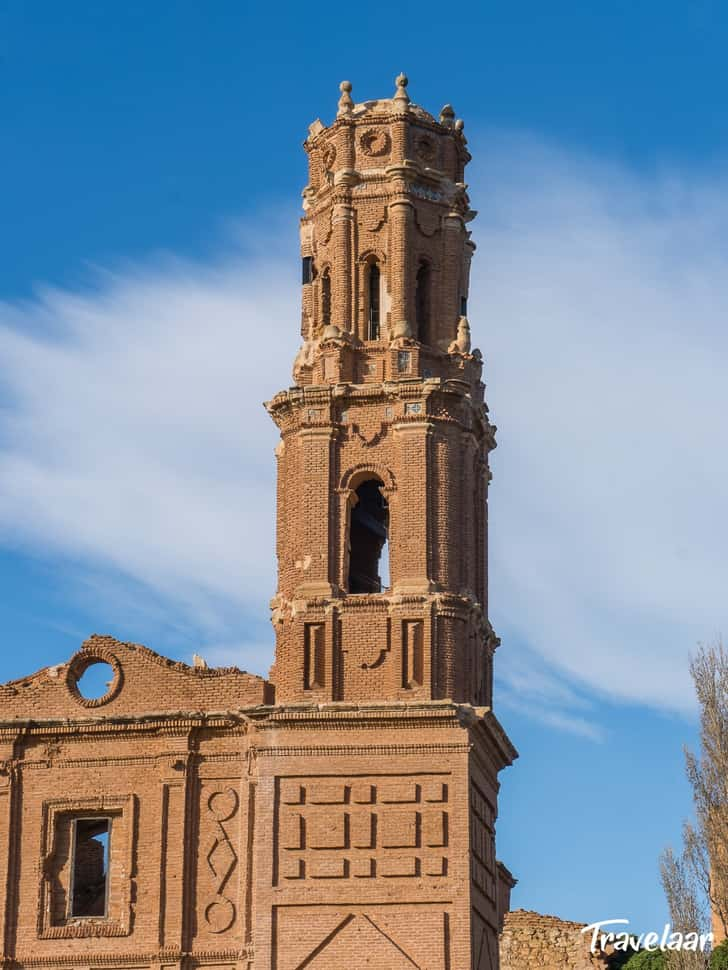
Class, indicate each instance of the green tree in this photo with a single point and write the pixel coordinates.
(618, 959)
(719, 957)
(647, 960)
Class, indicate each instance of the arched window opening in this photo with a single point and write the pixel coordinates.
(368, 540)
(422, 303)
(373, 328)
(326, 298)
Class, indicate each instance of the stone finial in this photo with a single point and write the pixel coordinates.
(447, 116)
(401, 93)
(461, 344)
(345, 102)
(198, 662)
(459, 130)
(332, 332)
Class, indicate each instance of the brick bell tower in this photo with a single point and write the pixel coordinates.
(383, 460)
(385, 831)
(343, 815)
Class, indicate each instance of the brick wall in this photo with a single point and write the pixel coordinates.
(530, 941)
(255, 837)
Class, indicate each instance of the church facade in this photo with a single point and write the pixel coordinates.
(341, 813)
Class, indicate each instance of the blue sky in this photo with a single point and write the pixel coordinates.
(152, 168)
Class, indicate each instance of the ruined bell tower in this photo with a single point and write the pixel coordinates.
(383, 460)
(342, 813)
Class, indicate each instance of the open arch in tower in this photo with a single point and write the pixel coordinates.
(368, 538)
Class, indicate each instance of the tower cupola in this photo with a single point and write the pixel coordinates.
(384, 240)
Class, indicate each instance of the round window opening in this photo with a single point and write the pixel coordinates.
(96, 681)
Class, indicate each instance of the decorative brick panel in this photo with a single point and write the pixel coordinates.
(363, 827)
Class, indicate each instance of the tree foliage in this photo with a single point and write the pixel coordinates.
(647, 960)
(618, 959)
(719, 957)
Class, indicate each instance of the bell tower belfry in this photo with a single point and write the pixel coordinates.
(383, 460)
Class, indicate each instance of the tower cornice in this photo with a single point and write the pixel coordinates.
(292, 410)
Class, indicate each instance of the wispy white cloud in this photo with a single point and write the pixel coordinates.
(601, 302)
(133, 441)
(537, 709)
(134, 447)
(527, 686)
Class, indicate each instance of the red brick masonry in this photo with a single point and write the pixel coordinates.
(247, 835)
(342, 815)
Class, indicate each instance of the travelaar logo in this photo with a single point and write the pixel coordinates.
(624, 941)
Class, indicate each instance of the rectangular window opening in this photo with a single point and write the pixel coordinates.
(90, 867)
(306, 269)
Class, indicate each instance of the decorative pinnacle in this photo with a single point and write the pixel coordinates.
(447, 116)
(459, 125)
(345, 102)
(462, 342)
(401, 93)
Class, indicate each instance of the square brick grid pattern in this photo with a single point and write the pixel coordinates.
(374, 826)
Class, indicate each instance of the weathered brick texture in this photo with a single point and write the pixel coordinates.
(531, 941)
(341, 814)
(403, 406)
